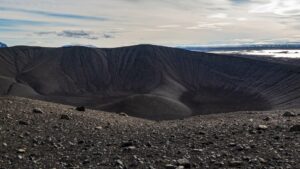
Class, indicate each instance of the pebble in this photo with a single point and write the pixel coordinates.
(148, 144)
(127, 144)
(65, 117)
(21, 150)
(262, 160)
(267, 119)
(130, 148)
(295, 128)
(8, 116)
(21, 122)
(86, 161)
(37, 111)
(119, 162)
(170, 166)
(262, 127)
(198, 150)
(201, 133)
(99, 127)
(239, 147)
(123, 114)
(80, 108)
(232, 144)
(288, 114)
(235, 163)
(184, 162)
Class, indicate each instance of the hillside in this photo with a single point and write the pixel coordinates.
(147, 81)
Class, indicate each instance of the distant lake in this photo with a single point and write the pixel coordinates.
(274, 53)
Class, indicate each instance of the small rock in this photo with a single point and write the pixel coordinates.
(170, 166)
(184, 162)
(276, 137)
(123, 114)
(288, 114)
(295, 128)
(262, 127)
(37, 111)
(80, 108)
(86, 161)
(220, 163)
(99, 128)
(251, 131)
(80, 142)
(235, 163)
(21, 122)
(201, 133)
(130, 148)
(239, 147)
(119, 163)
(151, 167)
(266, 119)
(21, 150)
(4, 144)
(127, 144)
(246, 158)
(197, 150)
(20, 157)
(26, 133)
(262, 160)
(232, 144)
(65, 117)
(8, 116)
(148, 144)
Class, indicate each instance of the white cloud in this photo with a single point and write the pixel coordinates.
(77, 34)
(81, 34)
(297, 37)
(169, 26)
(241, 19)
(279, 7)
(245, 40)
(218, 16)
(153, 30)
(207, 25)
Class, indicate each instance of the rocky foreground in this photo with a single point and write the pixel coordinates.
(35, 134)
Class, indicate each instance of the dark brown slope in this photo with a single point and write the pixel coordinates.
(149, 81)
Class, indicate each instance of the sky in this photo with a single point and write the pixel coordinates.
(112, 23)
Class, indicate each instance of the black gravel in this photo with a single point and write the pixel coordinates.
(62, 137)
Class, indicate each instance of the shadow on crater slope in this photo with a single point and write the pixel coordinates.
(147, 81)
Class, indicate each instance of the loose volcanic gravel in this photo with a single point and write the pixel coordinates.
(36, 134)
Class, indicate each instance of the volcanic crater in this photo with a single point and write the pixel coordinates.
(147, 81)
